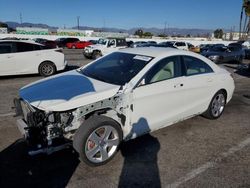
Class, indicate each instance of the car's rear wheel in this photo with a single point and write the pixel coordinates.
(97, 140)
(47, 68)
(216, 106)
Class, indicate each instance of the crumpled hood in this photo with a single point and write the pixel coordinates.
(66, 91)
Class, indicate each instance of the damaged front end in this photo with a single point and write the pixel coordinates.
(47, 132)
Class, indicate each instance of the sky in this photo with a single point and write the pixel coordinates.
(201, 14)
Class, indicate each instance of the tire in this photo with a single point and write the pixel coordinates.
(96, 55)
(216, 106)
(47, 68)
(94, 147)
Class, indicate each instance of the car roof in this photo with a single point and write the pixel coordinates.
(151, 51)
(25, 41)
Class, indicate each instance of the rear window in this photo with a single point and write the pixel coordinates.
(24, 47)
(195, 66)
(121, 42)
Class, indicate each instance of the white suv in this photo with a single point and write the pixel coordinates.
(27, 57)
(104, 47)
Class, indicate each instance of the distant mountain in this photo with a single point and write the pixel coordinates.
(14, 25)
(155, 31)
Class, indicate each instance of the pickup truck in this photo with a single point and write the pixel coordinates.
(104, 46)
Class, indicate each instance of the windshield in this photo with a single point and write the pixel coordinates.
(102, 41)
(117, 68)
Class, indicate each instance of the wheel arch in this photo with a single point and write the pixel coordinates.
(110, 113)
(46, 61)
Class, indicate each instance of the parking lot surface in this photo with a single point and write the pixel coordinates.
(193, 153)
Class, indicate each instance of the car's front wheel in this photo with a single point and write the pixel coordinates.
(216, 106)
(47, 68)
(97, 140)
(96, 55)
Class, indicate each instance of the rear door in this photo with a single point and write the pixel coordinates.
(198, 85)
(27, 57)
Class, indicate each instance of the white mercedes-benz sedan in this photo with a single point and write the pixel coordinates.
(119, 97)
(26, 57)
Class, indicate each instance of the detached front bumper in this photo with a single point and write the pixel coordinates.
(22, 127)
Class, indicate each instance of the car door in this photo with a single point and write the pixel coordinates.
(158, 99)
(7, 58)
(27, 58)
(198, 86)
(111, 47)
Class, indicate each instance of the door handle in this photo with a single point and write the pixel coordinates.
(178, 85)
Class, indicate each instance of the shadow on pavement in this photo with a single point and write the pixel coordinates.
(17, 169)
(140, 168)
(242, 72)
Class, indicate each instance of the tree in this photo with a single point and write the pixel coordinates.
(218, 33)
(139, 32)
(162, 35)
(3, 25)
(147, 34)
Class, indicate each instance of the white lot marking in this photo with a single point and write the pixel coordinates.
(208, 165)
(8, 114)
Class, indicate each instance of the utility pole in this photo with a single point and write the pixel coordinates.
(165, 27)
(104, 24)
(78, 19)
(21, 18)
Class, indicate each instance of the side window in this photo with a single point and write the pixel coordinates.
(121, 42)
(180, 44)
(165, 69)
(111, 42)
(37, 47)
(195, 66)
(5, 48)
(24, 47)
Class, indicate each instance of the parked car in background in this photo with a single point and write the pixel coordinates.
(93, 41)
(130, 43)
(179, 45)
(61, 42)
(45, 42)
(138, 44)
(195, 49)
(119, 97)
(222, 54)
(207, 47)
(104, 47)
(24, 57)
(166, 45)
(161, 45)
(78, 44)
(151, 42)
